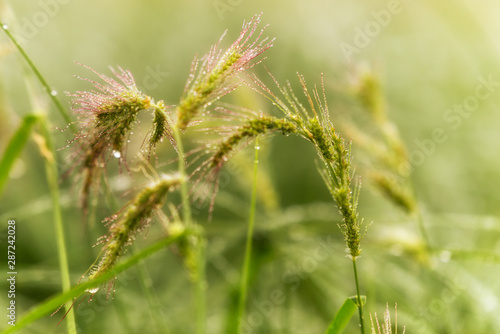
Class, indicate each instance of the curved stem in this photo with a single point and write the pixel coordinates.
(360, 302)
(248, 248)
(52, 94)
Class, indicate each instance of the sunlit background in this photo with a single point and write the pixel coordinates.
(431, 57)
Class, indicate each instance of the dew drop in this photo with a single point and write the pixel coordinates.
(92, 291)
(257, 147)
(53, 92)
(5, 27)
(117, 154)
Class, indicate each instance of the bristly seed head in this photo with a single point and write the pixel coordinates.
(313, 123)
(108, 115)
(249, 130)
(132, 219)
(211, 79)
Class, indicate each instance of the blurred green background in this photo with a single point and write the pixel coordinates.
(430, 56)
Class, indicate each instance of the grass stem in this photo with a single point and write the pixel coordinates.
(360, 302)
(248, 248)
(200, 284)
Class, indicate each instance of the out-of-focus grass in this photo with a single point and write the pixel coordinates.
(430, 57)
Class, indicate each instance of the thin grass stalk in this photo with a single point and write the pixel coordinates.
(248, 247)
(200, 284)
(52, 179)
(358, 294)
(52, 93)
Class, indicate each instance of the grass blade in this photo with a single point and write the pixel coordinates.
(51, 93)
(55, 302)
(343, 316)
(48, 152)
(15, 147)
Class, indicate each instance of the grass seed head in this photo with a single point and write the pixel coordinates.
(210, 78)
(312, 121)
(132, 219)
(107, 115)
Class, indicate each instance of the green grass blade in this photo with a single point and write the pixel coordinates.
(248, 247)
(47, 88)
(55, 302)
(48, 153)
(344, 315)
(15, 147)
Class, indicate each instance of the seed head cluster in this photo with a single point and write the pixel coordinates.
(211, 77)
(132, 219)
(108, 115)
(312, 122)
(110, 112)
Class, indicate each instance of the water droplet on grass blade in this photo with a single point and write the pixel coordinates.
(5, 27)
(93, 290)
(53, 92)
